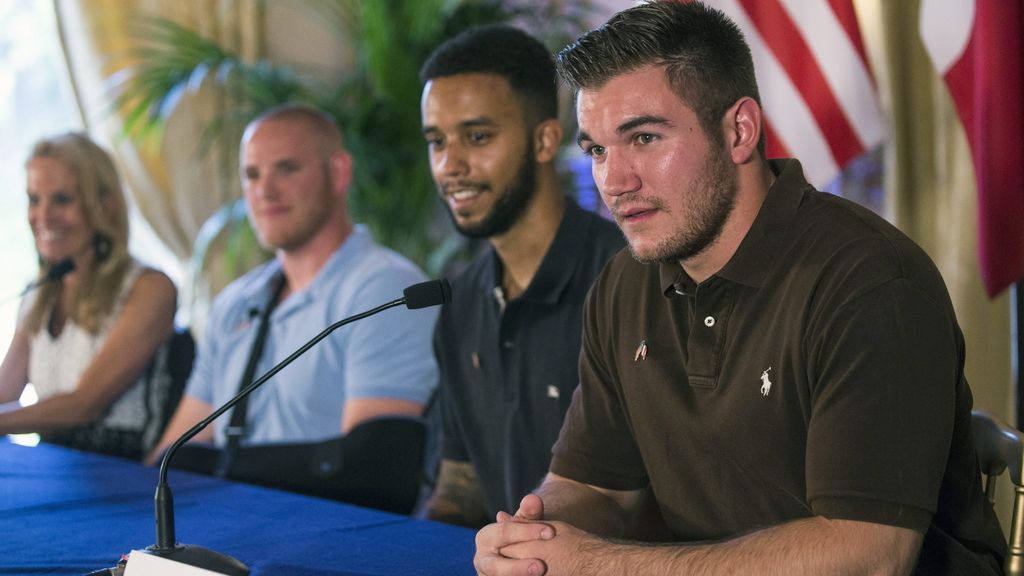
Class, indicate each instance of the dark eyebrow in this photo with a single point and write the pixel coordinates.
(627, 126)
(468, 123)
(482, 121)
(641, 121)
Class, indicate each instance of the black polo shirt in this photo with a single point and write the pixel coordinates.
(507, 377)
(820, 372)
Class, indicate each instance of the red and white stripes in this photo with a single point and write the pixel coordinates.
(819, 98)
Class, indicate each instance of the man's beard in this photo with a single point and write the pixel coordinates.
(509, 207)
(714, 196)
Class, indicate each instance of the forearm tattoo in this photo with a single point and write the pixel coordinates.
(458, 498)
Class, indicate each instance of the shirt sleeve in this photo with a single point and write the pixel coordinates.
(453, 446)
(596, 445)
(390, 355)
(887, 374)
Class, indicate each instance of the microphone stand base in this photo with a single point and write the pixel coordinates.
(200, 558)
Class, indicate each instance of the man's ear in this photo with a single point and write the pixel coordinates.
(743, 125)
(341, 171)
(547, 138)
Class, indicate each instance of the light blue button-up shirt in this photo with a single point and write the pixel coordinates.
(388, 355)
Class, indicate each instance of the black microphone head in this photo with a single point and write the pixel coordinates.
(60, 269)
(426, 294)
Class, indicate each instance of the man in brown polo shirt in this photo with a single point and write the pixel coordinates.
(781, 368)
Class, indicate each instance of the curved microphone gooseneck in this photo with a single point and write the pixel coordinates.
(422, 295)
(59, 270)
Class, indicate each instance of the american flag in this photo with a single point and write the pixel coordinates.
(820, 100)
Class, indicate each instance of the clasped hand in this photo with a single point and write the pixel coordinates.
(528, 545)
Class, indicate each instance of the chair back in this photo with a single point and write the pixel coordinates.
(161, 387)
(1000, 449)
(165, 379)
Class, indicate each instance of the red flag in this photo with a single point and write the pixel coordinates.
(820, 101)
(976, 47)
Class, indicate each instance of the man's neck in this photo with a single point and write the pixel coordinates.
(301, 265)
(523, 247)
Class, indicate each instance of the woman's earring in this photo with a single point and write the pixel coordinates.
(102, 246)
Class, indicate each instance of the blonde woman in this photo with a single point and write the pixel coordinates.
(85, 339)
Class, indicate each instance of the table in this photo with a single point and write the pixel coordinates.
(69, 512)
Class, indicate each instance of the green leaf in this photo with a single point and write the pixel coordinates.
(376, 103)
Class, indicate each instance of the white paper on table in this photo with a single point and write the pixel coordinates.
(142, 564)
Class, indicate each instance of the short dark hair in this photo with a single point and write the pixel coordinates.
(706, 58)
(521, 59)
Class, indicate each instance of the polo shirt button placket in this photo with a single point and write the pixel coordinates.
(704, 345)
(511, 393)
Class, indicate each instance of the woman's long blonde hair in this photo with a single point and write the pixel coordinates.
(103, 203)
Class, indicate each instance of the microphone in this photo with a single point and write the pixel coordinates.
(59, 270)
(56, 272)
(422, 295)
(427, 294)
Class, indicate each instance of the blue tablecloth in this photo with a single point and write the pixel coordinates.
(68, 512)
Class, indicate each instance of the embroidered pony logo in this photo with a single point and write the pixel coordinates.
(766, 383)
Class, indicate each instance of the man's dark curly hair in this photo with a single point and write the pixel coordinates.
(508, 52)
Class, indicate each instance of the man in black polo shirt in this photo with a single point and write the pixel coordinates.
(780, 367)
(508, 347)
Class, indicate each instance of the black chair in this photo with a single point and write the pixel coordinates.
(1001, 448)
(163, 382)
(166, 376)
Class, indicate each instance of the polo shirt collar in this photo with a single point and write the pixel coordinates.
(674, 280)
(554, 272)
(765, 241)
(255, 293)
(358, 244)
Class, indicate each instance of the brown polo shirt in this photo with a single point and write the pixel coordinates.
(820, 372)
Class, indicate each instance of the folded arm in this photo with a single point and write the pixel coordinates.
(146, 320)
(389, 366)
(506, 546)
(14, 369)
(558, 545)
(458, 497)
(359, 410)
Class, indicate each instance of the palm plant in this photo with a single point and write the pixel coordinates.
(376, 103)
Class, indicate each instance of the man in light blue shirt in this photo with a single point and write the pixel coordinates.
(295, 174)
